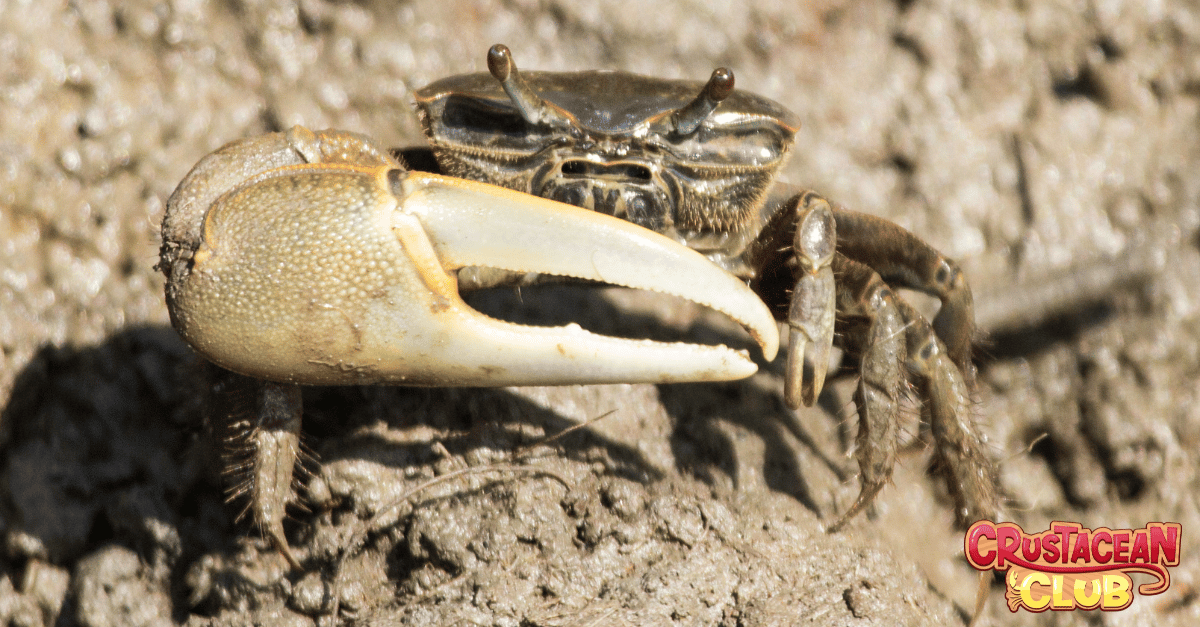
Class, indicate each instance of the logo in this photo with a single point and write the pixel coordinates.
(1068, 567)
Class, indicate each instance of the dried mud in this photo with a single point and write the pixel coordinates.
(1051, 147)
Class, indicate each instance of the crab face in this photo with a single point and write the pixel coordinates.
(648, 150)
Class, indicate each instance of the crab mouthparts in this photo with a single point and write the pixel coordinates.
(475, 225)
(625, 189)
(616, 171)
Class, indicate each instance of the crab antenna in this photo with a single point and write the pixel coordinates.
(688, 117)
(532, 106)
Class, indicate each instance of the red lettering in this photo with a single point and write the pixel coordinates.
(1081, 551)
(1050, 547)
(978, 531)
(1099, 536)
(1031, 548)
(1141, 547)
(1008, 540)
(1120, 539)
(1064, 531)
(1165, 538)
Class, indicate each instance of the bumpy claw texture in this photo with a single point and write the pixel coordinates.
(696, 161)
(317, 258)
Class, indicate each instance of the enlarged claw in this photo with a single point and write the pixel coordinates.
(810, 317)
(320, 260)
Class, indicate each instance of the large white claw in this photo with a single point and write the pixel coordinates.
(345, 272)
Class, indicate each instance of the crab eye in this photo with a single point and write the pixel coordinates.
(471, 115)
(738, 145)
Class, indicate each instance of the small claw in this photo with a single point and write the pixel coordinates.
(811, 315)
(810, 338)
(341, 273)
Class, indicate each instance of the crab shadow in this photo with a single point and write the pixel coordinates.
(104, 449)
(97, 452)
(105, 445)
(93, 439)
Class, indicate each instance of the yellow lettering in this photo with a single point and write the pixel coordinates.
(1084, 600)
(1058, 602)
(1116, 591)
(1027, 590)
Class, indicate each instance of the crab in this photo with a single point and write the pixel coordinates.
(319, 258)
(697, 162)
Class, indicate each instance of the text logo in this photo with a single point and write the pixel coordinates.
(1069, 567)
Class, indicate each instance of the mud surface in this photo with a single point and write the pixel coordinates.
(1051, 147)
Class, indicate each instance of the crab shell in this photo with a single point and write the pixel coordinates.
(609, 141)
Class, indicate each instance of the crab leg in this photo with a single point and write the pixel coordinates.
(811, 313)
(258, 423)
(958, 456)
(897, 334)
(904, 260)
(793, 255)
(863, 294)
(940, 356)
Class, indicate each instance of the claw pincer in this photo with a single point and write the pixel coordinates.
(316, 258)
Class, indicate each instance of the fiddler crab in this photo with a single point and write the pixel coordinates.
(318, 258)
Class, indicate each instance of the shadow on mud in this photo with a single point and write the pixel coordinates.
(105, 447)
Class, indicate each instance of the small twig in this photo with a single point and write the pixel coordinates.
(602, 617)
(475, 470)
(1028, 448)
(522, 451)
